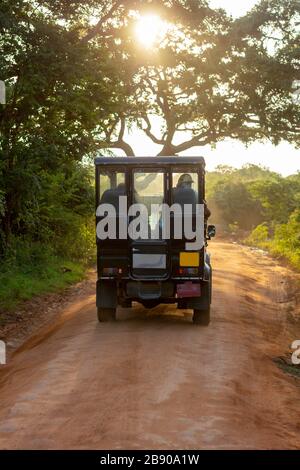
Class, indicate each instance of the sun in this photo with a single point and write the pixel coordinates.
(150, 30)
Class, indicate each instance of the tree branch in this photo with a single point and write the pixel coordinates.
(120, 142)
(148, 132)
(97, 28)
(194, 142)
(162, 101)
(127, 149)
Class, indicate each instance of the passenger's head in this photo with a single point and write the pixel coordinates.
(121, 188)
(185, 181)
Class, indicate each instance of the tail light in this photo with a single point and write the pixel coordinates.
(112, 271)
(187, 271)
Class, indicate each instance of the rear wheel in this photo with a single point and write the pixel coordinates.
(106, 314)
(150, 303)
(126, 303)
(210, 286)
(201, 317)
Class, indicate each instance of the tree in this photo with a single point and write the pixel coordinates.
(212, 78)
(279, 198)
(237, 205)
(60, 89)
(77, 79)
(251, 195)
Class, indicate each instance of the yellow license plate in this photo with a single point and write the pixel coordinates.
(189, 259)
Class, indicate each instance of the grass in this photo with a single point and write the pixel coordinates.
(285, 242)
(20, 283)
(284, 364)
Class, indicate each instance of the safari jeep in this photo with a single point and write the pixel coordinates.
(145, 250)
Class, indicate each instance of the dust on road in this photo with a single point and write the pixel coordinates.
(155, 380)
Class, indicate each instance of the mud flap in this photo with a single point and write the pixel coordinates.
(207, 267)
(106, 294)
(203, 302)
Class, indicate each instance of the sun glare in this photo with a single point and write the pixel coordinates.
(150, 30)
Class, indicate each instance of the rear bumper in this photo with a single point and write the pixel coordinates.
(187, 293)
(174, 291)
(149, 290)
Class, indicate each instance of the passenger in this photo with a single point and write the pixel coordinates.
(111, 196)
(183, 193)
(207, 212)
(185, 181)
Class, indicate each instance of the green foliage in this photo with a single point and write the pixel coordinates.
(55, 240)
(32, 269)
(285, 241)
(262, 202)
(73, 87)
(214, 77)
(229, 193)
(63, 214)
(278, 197)
(59, 92)
(259, 236)
(237, 204)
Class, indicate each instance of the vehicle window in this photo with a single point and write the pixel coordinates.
(149, 186)
(185, 180)
(185, 189)
(149, 190)
(111, 181)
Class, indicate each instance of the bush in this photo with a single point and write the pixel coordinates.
(54, 238)
(32, 269)
(259, 236)
(285, 242)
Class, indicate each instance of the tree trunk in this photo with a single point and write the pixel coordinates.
(166, 151)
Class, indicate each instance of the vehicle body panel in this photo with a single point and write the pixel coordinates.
(150, 270)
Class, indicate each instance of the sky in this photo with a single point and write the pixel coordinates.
(234, 7)
(284, 158)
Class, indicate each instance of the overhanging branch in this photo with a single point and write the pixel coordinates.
(120, 142)
(194, 142)
(149, 133)
(98, 27)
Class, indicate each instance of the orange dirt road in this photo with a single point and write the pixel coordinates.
(155, 380)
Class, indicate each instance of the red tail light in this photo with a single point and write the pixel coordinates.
(112, 271)
(187, 271)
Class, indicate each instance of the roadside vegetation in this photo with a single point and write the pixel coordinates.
(78, 78)
(55, 242)
(260, 207)
(47, 273)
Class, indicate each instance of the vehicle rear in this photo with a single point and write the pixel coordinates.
(155, 267)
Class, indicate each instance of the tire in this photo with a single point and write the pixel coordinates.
(106, 314)
(150, 303)
(210, 286)
(126, 304)
(201, 317)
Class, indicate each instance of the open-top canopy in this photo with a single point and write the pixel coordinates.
(152, 161)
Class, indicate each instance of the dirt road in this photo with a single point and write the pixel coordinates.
(155, 380)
